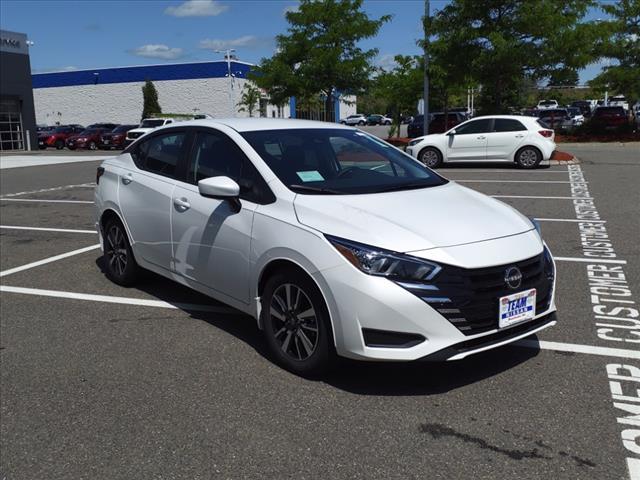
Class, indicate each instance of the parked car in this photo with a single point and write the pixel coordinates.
(377, 119)
(619, 101)
(357, 119)
(416, 127)
(609, 118)
(576, 116)
(106, 126)
(146, 125)
(501, 138)
(584, 106)
(87, 139)
(438, 125)
(544, 104)
(115, 138)
(330, 253)
(556, 118)
(58, 136)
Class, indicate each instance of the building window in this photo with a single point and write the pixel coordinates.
(11, 133)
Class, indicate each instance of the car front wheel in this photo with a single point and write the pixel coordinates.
(92, 146)
(295, 321)
(59, 145)
(361, 123)
(431, 157)
(528, 157)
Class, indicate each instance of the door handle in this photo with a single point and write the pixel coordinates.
(182, 204)
(519, 136)
(127, 179)
(481, 137)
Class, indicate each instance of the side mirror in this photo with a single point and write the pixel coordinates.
(221, 188)
(451, 132)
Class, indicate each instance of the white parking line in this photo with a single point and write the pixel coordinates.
(575, 348)
(541, 198)
(121, 300)
(4, 273)
(53, 189)
(42, 201)
(479, 170)
(41, 229)
(570, 220)
(510, 181)
(590, 260)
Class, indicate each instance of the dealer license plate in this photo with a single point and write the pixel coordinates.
(517, 308)
(106, 142)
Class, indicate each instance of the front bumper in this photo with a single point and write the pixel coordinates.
(361, 303)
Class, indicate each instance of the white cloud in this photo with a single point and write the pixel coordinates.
(246, 41)
(157, 51)
(197, 8)
(290, 8)
(386, 62)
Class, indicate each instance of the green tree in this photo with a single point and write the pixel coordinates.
(319, 54)
(150, 100)
(623, 45)
(512, 40)
(250, 99)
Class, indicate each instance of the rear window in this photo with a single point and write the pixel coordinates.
(610, 111)
(507, 125)
(543, 124)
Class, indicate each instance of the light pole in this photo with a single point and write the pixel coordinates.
(227, 55)
(426, 70)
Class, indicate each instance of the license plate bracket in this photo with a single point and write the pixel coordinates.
(516, 308)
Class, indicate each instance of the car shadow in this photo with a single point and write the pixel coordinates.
(500, 165)
(358, 377)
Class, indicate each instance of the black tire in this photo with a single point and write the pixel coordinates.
(119, 264)
(92, 146)
(387, 122)
(291, 339)
(59, 144)
(343, 122)
(361, 122)
(528, 157)
(431, 157)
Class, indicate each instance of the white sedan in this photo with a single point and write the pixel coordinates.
(502, 138)
(319, 232)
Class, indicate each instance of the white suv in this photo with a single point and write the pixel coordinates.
(146, 125)
(357, 119)
(545, 104)
(320, 233)
(502, 138)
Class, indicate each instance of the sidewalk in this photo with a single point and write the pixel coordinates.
(26, 160)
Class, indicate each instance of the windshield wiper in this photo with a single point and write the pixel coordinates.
(309, 188)
(403, 186)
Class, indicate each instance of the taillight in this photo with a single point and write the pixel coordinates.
(546, 133)
(99, 173)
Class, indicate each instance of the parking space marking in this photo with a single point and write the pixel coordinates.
(43, 200)
(41, 229)
(575, 348)
(511, 181)
(528, 172)
(53, 189)
(48, 260)
(590, 260)
(541, 198)
(570, 220)
(120, 300)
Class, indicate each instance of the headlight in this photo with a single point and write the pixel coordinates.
(383, 263)
(415, 142)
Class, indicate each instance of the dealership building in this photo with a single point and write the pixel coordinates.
(115, 94)
(17, 117)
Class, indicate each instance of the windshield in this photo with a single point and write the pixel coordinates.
(548, 102)
(123, 128)
(62, 130)
(335, 161)
(151, 123)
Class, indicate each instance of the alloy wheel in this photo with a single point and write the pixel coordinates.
(294, 322)
(117, 250)
(528, 158)
(430, 158)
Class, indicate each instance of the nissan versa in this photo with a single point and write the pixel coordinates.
(335, 241)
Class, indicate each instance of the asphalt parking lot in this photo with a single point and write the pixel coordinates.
(99, 381)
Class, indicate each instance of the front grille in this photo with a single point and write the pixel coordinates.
(469, 298)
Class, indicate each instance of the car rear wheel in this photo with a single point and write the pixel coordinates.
(528, 157)
(295, 321)
(361, 122)
(59, 144)
(119, 264)
(431, 157)
(92, 145)
(387, 122)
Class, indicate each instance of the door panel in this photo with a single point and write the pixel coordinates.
(507, 135)
(145, 200)
(470, 141)
(211, 241)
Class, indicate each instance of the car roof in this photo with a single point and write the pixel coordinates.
(255, 124)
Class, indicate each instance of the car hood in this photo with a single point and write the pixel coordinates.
(412, 220)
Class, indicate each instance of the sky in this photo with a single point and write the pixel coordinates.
(72, 35)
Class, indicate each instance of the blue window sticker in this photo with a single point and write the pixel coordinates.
(310, 176)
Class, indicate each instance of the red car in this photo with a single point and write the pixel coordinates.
(58, 137)
(609, 118)
(89, 138)
(115, 138)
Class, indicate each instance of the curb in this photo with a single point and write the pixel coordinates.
(573, 161)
